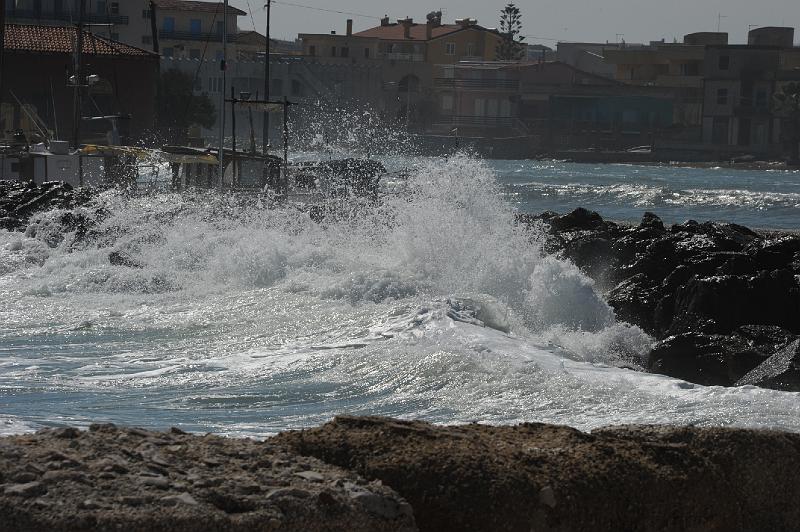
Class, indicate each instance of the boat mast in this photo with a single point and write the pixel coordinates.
(265, 140)
(223, 66)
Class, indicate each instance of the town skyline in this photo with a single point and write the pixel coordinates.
(547, 22)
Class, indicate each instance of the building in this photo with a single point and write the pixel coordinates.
(554, 104)
(194, 30)
(39, 95)
(590, 56)
(406, 52)
(740, 81)
(679, 67)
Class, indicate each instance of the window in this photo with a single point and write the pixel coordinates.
(333, 51)
(471, 49)
(447, 102)
(366, 53)
(722, 96)
(345, 51)
(168, 52)
(312, 50)
(219, 55)
(169, 24)
(450, 48)
(220, 27)
(297, 88)
(480, 107)
(146, 14)
(761, 98)
(115, 8)
(194, 53)
(724, 62)
(101, 7)
(276, 87)
(195, 26)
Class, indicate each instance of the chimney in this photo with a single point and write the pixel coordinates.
(349, 27)
(429, 31)
(385, 20)
(407, 23)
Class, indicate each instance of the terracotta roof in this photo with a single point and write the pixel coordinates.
(396, 32)
(61, 40)
(251, 37)
(194, 5)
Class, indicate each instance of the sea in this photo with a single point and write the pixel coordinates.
(236, 317)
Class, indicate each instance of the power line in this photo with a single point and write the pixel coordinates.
(314, 8)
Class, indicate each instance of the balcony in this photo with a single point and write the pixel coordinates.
(192, 36)
(63, 17)
(415, 58)
(481, 121)
(477, 84)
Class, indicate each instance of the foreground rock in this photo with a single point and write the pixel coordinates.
(721, 298)
(543, 477)
(135, 480)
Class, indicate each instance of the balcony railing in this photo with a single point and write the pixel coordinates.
(481, 121)
(405, 57)
(192, 36)
(477, 84)
(64, 16)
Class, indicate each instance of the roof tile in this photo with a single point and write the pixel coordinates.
(61, 40)
(194, 5)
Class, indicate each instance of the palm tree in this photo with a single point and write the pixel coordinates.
(786, 103)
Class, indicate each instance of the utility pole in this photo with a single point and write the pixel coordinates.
(720, 16)
(265, 133)
(223, 67)
(2, 52)
(78, 78)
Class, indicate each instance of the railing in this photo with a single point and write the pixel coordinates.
(482, 121)
(192, 36)
(453, 83)
(404, 57)
(64, 16)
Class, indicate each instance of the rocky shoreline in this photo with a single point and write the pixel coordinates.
(373, 474)
(722, 300)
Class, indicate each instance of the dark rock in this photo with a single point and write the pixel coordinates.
(120, 258)
(579, 219)
(771, 298)
(711, 360)
(781, 371)
(634, 300)
(651, 221)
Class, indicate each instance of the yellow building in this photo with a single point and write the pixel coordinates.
(406, 52)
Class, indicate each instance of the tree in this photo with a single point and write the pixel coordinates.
(786, 103)
(511, 47)
(179, 107)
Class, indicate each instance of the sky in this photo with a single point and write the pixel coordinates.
(544, 21)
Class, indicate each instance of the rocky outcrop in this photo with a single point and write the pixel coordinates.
(699, 288)
(544, 477)
(109, 478)
(20, 199)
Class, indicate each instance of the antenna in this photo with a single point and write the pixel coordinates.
(720, 16)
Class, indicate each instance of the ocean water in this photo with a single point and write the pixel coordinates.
(241, 319)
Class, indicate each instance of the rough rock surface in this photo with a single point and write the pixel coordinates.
(721, 298)
(129, 479)
(20, 199)
(544, 477)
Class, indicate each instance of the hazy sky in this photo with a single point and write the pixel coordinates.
(544, 21)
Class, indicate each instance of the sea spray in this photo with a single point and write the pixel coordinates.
(231, 316)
